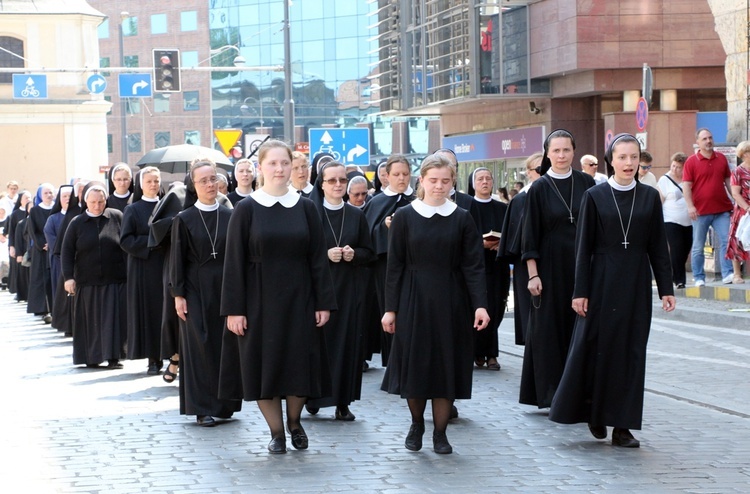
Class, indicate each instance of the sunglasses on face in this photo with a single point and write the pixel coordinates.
(646, 167)
(332, 181)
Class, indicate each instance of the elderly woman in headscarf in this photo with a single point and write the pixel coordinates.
(488, 215)
(94, 268)
(356, 191)
(40, 285)
(548, 244)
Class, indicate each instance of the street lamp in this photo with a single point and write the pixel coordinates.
(239, 60)
(244, 108)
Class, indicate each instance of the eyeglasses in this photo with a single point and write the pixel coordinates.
(646, 167)
(592, 164)
(205, 181)
(332, 181)
(357, 194)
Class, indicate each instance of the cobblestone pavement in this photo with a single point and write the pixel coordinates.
(71, 429)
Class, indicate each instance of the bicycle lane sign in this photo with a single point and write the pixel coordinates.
(29, 86)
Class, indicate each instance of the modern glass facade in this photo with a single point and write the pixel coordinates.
(331, 63)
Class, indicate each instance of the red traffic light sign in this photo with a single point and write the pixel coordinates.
(166, 70)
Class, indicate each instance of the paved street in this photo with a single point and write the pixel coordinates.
(71, 429)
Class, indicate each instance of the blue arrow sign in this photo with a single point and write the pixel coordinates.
(29, 86)
(96, 84)
(349, 146)
(135, 85)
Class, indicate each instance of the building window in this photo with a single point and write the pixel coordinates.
(189, 58)
(161, 103)
(159, 24)
(189, 21)
(108, 98)
(109, 143)
(103, 29)
(134, 143)
(130, 26)
(161, 139)
(191, 101)
(14, 46)
(103, 63)
(193, 137)
(131, 60)
(133, 106)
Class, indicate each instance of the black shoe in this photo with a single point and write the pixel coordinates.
(114, 364)
(154, 368)
(169, 376)
(299, 438)
(598, 431)
(624, 439)
(365, 366)
(680, 285)
(440, 443)
(47, 319)
(312, 410)
(414, 437)
(277, 446)
(454, 412)
(206, 421)
(343, 413)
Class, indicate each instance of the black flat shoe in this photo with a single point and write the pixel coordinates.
(312, 410)
(624, 439)
(454, 412)
(598, 431)
(277, 446)
(299, 438)
(343, 413)
(114, 364)
(206, 421)
(154, 367)
(414, 437)
(440, 443)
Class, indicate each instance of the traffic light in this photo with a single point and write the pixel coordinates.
(166, 71)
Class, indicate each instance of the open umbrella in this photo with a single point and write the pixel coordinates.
(177, 158)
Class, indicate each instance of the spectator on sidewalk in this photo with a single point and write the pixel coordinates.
(677, 222)
(706, 186)
(590, 165)
(740, 181)
(644, 170)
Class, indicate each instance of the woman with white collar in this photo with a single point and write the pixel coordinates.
(40, 282)
(379, 211)
(621, 240)
(548, 248)
(93, 266)
(199, 236)
(277, 295)
(435, 292)
(145, 294)
(120, 186)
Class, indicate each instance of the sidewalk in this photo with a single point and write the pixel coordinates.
(73, 430)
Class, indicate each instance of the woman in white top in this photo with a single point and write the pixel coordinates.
(676, 219)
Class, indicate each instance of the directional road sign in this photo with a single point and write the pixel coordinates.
(96, 84)
(29, 86)
(135, 85)
(641, 114)
(349, 146)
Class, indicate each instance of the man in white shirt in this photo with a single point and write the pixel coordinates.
(590, 165)
(644, 170)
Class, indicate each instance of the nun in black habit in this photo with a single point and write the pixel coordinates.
(349, 247)
(488, 215)
(277, 295)
(19, 213)
(510, 251)
(196, 263)
(620, 242)
(40, 285)
(120, 182)
(54, 233)
(548, 243)
(145, 266)
(379, 212)
(94, 269)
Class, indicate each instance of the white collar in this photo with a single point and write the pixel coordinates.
(427, 211)
(207, 207)
(123, 196)
(360, 207)
(332, 207)
(93, 215)
(306, 189)
(526, 187)
(263, 198)
(241, 194)
(389, 192)
(616, 186)
(150, 199)
(63, 211)
(489, 199)
(44, 206)
(553, 174)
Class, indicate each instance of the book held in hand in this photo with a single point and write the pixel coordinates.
(491, 235)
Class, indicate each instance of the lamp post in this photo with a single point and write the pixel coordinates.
(244, 108)
(288, 98)
(123, 101)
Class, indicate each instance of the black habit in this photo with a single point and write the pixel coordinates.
(549, 237)
(606, 367)
(276, 274)
(196, 274)
(510, 251)
(40, 285)
(15, 237)
(435, 282)
(91, 255)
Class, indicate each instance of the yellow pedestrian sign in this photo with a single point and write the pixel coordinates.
(227, 138)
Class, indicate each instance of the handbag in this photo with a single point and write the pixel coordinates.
(743, 232)
(26, 261)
